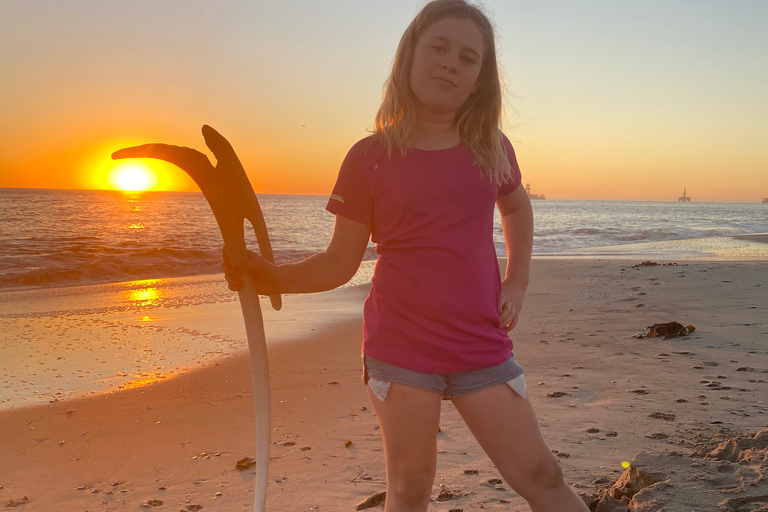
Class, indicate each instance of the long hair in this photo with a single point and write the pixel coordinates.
(477, 120)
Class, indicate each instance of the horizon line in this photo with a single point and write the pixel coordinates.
(137, 192)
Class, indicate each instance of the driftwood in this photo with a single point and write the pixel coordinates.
(230, 196)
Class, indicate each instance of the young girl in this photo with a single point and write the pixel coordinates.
(436, 322)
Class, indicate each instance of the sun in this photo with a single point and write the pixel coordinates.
(133, 176)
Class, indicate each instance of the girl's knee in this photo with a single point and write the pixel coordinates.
(545, 476)
(411, 486)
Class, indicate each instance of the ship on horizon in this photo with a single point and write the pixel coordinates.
(533, 196)
(685, 198)
(765, 199)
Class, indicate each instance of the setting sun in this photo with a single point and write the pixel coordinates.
(132, 176)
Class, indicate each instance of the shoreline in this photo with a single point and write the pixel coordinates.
(742, 248)
(178, 440)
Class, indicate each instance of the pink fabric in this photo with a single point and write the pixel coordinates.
(433, 306)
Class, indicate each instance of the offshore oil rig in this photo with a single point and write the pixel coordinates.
(533, 196)
(685, 198)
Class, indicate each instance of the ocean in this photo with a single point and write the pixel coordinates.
(52, 238)
(87, 305)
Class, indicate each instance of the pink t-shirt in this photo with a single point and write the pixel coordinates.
(433, 306)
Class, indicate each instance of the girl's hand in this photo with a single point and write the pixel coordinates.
(510, 305)
(263, 272)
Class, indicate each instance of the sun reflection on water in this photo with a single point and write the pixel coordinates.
(143, 379)
(144, 297)
(147, 292)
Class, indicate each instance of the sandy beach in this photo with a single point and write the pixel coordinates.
(680, 409)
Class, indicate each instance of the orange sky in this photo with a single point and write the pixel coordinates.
(606, 101)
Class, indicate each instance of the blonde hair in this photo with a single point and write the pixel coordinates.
(479, 118)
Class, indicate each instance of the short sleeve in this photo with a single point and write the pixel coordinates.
(351, 196)
(514, 181)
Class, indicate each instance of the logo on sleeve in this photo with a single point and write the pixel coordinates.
(337, 198)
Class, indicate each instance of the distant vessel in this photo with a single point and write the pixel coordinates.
(765, 199)
(533, 196)
(685, 198)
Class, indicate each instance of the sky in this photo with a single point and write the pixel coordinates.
(611, 100)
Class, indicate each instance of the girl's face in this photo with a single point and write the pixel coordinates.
(446, 64)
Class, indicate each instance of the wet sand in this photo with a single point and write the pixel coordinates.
(602, 397)
(760, 238)
(76, 341)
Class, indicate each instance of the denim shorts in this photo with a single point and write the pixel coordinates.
(379, 376)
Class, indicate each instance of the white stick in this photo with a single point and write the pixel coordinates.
(257, 347)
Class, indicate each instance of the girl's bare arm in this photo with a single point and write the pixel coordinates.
(320, 272)
(517, 223)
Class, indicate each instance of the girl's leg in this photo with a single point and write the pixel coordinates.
(505, 425)
(408, 420)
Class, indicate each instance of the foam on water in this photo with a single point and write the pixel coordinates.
(697, 249)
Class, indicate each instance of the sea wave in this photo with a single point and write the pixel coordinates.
(547, 241)
(61, 269)
(53, 238)
(58, 269)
